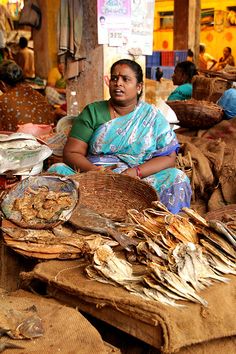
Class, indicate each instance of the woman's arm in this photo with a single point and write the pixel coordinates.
(152, 166)
(74, 155)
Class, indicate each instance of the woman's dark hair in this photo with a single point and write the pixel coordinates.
(202, 48)
(133, 66)
(10, 72)
(188, 68)
(190, 53)
(229, 49)
(23, 42)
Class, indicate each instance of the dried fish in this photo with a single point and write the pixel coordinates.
(223, 230)
(157, 204)
(193, 267)
(21, 324)
(158, 296)
(112, 267)
(217, 252)
(218, 265)
(8, 345)
(195, 216)
(89, 220)
(176, 284)
(219, 241)
(152, 282)
(181, 228)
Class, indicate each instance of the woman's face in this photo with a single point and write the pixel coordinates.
(61, 68)
(123, 85)
(226, 52)
(178, 77)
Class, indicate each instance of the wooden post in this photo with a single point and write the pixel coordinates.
(187, 25)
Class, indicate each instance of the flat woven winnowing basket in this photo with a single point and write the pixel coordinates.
(111, 194)
(196, 114)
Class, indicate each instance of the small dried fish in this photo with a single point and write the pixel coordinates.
(154, 294)
(87, 219)
(223, 230)
(8, 345)
(217, 252)
(21, 324)
(181, 228)
(157, 204)
(176, 284)
(218, 265)
(193, 266)
(219, 241)
(112, 267)
(195, 216)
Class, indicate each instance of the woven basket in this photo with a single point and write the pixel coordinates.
(32, 186)
(196, 114)
(111, 194)
(221, 213)
(209, 89)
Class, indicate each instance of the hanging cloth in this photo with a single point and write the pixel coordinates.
(31, 14)
(70, 27)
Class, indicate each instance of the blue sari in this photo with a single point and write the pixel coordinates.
(137, 137)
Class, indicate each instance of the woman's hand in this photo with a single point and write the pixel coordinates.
(130, 172)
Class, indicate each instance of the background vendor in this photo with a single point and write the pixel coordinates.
(56, 84)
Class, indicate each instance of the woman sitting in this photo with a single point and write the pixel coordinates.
(226, 59)
(20, 103)
(130, 134)
(56, 84)
(182, 77)
(228, 102)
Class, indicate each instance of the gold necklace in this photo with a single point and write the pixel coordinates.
(115, 113)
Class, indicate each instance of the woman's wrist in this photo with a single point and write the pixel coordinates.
(138, 172)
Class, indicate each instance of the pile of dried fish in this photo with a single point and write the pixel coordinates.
(182, 254)
(61, 242)
(40, 201)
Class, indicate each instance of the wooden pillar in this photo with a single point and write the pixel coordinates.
(91, 77)
(45, 39)
(187, 25)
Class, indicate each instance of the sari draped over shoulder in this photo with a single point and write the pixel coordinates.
(137, 137)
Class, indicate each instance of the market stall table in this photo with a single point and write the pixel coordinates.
(163, 327)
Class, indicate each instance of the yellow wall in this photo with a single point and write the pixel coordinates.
(214, 40)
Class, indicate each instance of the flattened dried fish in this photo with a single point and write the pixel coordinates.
(158, 296)
(193, 267)
(21, 324)
(87, 219)
(219, 241)
(181, 228)
(223, 230)
(8, 345)
(176, 284)
(195, 216)
(217, 252)
(112, 267)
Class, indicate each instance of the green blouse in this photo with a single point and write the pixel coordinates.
(92, 116)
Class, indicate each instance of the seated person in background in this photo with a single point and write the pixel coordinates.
(190, 55)
(205, 60)
(183, 74)
(228, 102)
(56, 85)
(19, 103)
(5, 54)
(226, 59)
(25, 59)
(129, 133)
